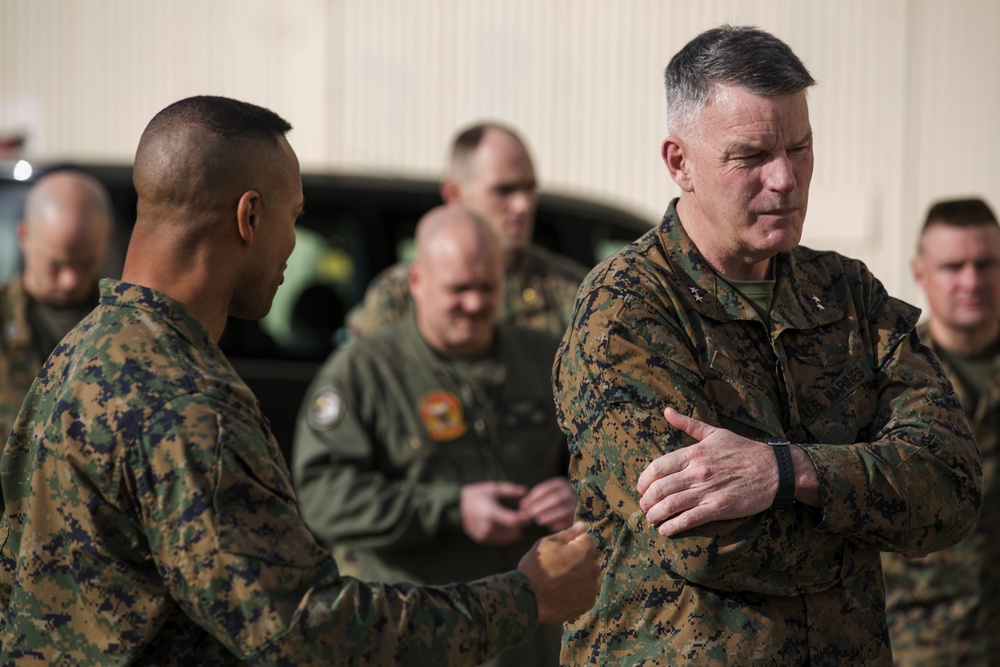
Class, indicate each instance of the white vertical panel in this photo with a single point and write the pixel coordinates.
(99, 69)
(906, 107)
(953, 107)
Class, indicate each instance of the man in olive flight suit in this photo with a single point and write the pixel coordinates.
(150, 518)
(944, 609)
(64, 239)
(492, 175)
(429, 452)
(750, 422)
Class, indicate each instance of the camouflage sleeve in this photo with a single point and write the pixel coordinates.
(915, 484)
(623, 362)
(619, 366)
(385, 302)
(227, 541)
(564, 294)
(339, 465)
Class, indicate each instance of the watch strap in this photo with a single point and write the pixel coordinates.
(784, 499)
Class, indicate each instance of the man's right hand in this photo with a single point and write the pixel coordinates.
(564, 574)
(485, 519)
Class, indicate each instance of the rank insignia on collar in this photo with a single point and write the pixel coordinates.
(697, 296)
(442, 414)
(816, 301)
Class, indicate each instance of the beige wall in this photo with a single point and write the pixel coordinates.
(905, 111)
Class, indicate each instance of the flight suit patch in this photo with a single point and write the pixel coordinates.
(325, 409)
(441, 412)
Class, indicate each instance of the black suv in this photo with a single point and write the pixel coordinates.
(354, 227)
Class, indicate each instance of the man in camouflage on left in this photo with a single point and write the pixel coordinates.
(63, 236)
(150, 518)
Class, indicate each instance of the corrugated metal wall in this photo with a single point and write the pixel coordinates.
(905, 111)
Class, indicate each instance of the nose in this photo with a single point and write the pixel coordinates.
(970, 276)
(68, 279)
(779, 175)
(521, 201)
(474, 301)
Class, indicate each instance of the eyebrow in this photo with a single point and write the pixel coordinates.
(738, 148)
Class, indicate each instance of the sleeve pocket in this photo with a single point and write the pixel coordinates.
(258, 516)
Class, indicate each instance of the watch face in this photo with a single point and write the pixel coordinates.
(776, 441)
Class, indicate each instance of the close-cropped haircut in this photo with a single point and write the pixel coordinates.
(738, 55)
(225, 117)
(971, 212)
(182, 170)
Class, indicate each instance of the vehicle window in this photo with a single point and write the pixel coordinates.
(11, 205)
(606, 240)
(406, 249)
(321, 282)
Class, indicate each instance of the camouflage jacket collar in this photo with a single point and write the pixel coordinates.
(802, 296)
(14, 315)
(126, 295)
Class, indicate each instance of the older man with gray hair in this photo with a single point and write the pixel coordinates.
(751, 422)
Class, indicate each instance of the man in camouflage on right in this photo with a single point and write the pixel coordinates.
(944, 609)
(700, 352)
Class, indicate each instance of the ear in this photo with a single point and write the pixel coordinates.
(918, 268)
(450, 191)
(413, 279)
(248, 215)
(674, 154)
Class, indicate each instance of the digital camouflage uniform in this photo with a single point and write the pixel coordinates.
(391, 431)
(21, 353)
(538, 292)
(944, 609)
(837, 364)
(151, 521)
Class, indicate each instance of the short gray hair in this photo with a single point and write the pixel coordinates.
(741, 55)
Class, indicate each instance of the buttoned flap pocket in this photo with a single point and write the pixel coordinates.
(841, 400)
(525, 413)
(743, 396)
(526, 423)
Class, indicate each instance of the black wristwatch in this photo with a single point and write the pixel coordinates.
(785, 498)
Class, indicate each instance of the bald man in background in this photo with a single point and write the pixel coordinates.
(64, 239)
(492, 175)
(429, 451)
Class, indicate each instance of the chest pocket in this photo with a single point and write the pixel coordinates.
(525, 414)
(746, 399)
(836, 394)
(528, 428)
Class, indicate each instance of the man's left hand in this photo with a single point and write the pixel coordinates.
(722, 476)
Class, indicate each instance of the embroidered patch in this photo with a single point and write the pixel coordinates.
(441, 413)
(325, 409)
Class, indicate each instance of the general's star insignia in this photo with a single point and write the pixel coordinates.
(695, 294)
(817, 302)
